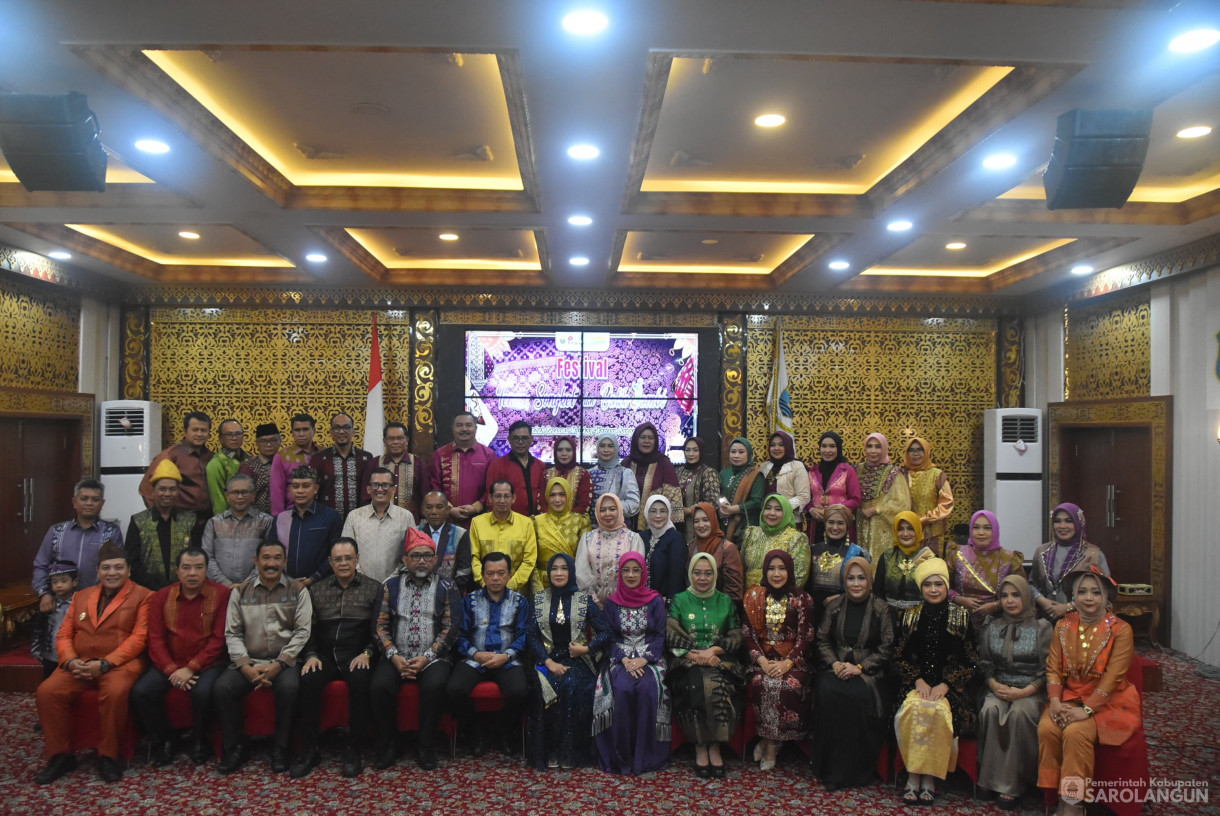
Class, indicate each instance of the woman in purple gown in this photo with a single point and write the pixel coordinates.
(631, 712)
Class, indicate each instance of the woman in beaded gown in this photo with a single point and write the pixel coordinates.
(580, 481)
(1068, 550)
(976, 569)
(894, 575)
(776, 530)
(609, 476)
(884, 493)
(599, 551)
(931, 493)
(559, 529)
(831, 554)
(698, 481)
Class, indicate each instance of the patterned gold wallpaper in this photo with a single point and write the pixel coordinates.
(1108, 348)
(901, 376)
(39, 337)
(264, 365)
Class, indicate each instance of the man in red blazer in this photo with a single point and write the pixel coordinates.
(101, 646)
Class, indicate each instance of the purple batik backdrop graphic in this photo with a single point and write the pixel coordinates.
(582, 384)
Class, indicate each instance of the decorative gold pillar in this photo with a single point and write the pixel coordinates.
(423, 380)
(732, 380)
(135, 354)
(1010, 363)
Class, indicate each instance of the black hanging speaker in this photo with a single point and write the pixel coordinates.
(1097, 158)
(51, 142)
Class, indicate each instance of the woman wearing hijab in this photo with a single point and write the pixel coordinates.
(698, 482)
(705, 669)
(709, 539)
(609, 476)
(631, 712)
(559, 529)
(778, 633)
(884, 493)
(654, 473)
(785, 474)
(1086, 680)
(561, 712)
(855, 644)
(599, 551)
(664, 549)
(977, 568)
(833, 481)
(1067, 551)
(895, 572)
(934, 662)
(776, 530)
(831, 554)
(741, 490)
(580, 482)
(931, 493)
(1013, 647)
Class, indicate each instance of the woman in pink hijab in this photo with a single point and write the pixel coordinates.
(977, 569)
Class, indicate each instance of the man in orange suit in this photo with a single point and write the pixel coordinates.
(101, 646)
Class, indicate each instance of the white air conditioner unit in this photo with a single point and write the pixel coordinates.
(1012, 475)
(131, 438)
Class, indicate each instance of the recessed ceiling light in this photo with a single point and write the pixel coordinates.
(578, 260)
(583, 152)
(955, 245)
(839, 266)
(899, 226)
(152, 146)
(190, 236)
(579, 220)
(1082, 269)
(1195, 40)
(999, 161)
(315, 257)
(448, 236)
(585, 22)
(710, 241)
(60, 255)
(1194, 132)
(770, 120)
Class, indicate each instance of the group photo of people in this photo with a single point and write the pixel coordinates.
(773, 611)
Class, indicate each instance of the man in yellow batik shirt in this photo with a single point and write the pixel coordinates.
(503, 530)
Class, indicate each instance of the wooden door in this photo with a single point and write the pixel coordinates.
(36, 480)
(1107, 471)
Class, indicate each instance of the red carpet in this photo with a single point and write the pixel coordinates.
(1183, 724)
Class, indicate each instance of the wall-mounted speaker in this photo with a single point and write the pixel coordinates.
(51, 142)
(1097, 158)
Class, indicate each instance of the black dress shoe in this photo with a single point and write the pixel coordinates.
(384, 758)
(703, 771)
(352, 766)
(201, 752)
(717, 771)
(162, 754)
(109, 769)
(281, 760)
(58, 765)
(233, 759)
(427, 759)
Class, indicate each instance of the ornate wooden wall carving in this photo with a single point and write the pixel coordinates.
(39, 336)
(901, 376)
(732, 381)
(135, 353)
(423, 395)
(1011, 361)
(1108, 348)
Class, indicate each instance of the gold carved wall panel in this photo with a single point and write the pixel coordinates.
(39, 336)
(135, 353)
(423, 433)
(264, 365)
(900, 376)
(732, 386)
(1011, 352)
(1108, 348)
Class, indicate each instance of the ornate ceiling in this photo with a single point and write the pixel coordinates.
(425, 144)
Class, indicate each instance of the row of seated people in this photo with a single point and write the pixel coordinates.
(680, 661)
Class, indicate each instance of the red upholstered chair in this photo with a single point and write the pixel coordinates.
(408, 714)
(487, 698)
(741, 735)
(967, 761)
(1122, 766)
(258, 712)
(178, 709)
(87, 726)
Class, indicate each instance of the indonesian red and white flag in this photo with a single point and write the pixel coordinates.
(374, 412)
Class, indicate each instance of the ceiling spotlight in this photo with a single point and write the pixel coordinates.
(899, 226)
(315, 257)
(955, 245)
(1082, 269)
(1195, 40)
(583, 152)
(585, 23)
(448, 236)
(770, 120)
(579, 220)
(839, 266)
(60, 255)
(578, 260)
(190, 236)
(1195, 132)
(152, 146)
(999, 161)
